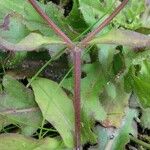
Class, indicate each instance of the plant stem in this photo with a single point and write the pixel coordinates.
(77, 59)
(77, 78)
(90, 36)
(52, 25)
(147, 146)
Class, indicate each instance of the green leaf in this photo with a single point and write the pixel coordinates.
(18, 37)
(13, 30)
(33, 21)
(138, 58)
(123, 37)
(145, 19)
(114, 100)
(17, 106)
(142, 88)
(75, 17)
(111, 91)
(130, 16)
(91, 87)
(144, 72)
(92, 11)
(145, 119)
(87, 134)
(56, 107)
(105, 55)
(20, 142)
(116, 139)
(92, 110)
(128, 126)
(31, 42)
(141, 84)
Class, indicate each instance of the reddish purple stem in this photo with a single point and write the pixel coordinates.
(52, 25)
(91, 35)
(77, 78)
(77, 59)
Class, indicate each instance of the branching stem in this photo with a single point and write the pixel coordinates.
(76, 59)
(92, 34)
(52, 25)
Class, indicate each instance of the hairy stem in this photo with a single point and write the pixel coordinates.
(77, 78)
(77, 59)
(52, 24)
(90, 36)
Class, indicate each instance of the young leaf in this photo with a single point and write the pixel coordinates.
(56, 107)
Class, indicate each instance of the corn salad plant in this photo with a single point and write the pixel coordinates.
(74, 74)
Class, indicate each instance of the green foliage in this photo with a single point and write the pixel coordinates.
(91, 87)
(128, 127)
(93, 10)
(29, 17)
(141, 84)
(22, 25)
(123, 37)
(130, 16)
(56, 107)
(17, 106)
(110, 138)
(20, 142)
(75, 17)
(105, 55)
(106, 77)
